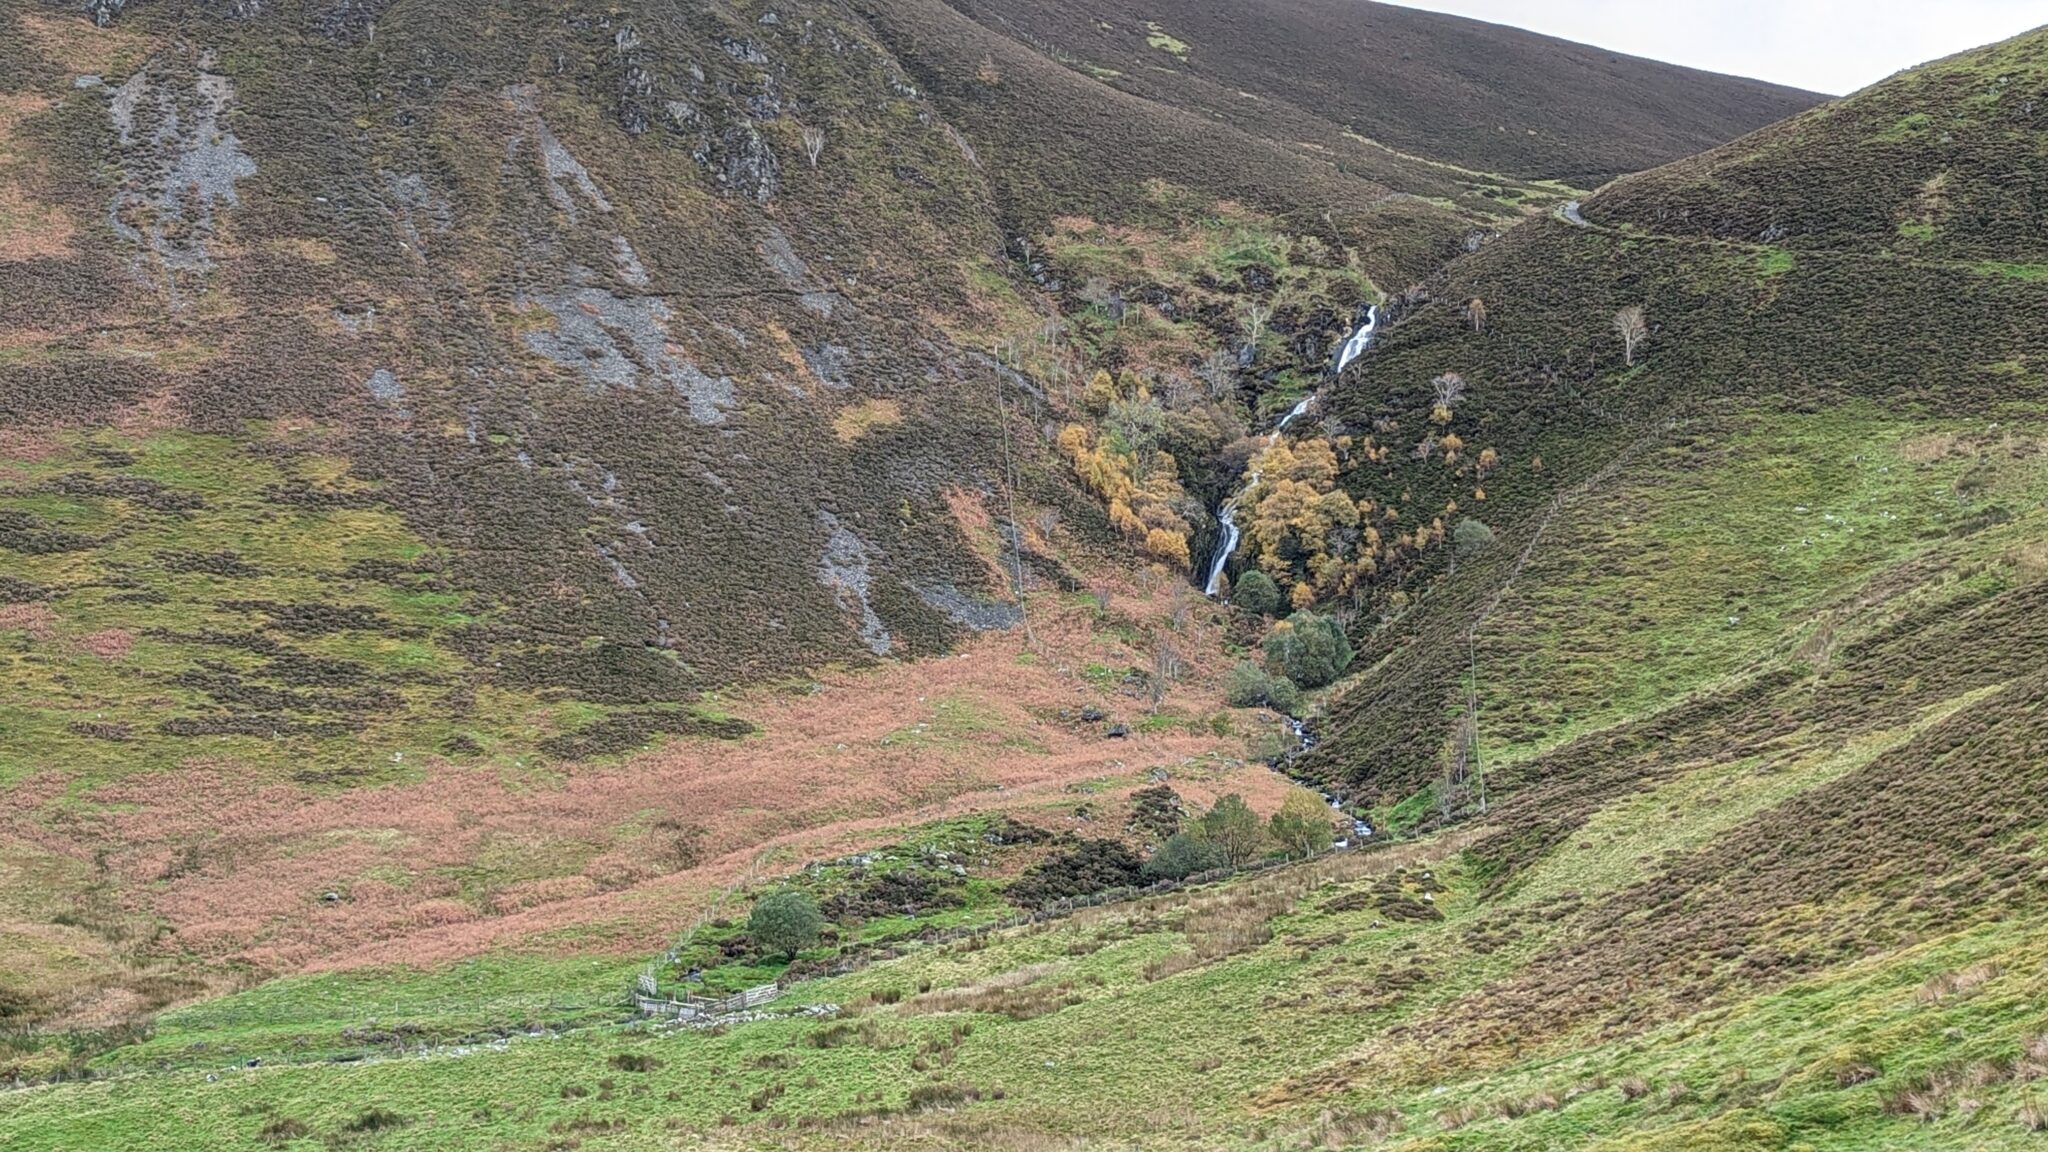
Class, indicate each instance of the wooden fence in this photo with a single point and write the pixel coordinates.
(649, 1003)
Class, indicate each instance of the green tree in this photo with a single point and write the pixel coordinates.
(1256, 592)
(1251, 686)
(1234, 829)
(1183, 855)
(787, 922)
(1308, 649)
(1302, 826)
(1472, 537)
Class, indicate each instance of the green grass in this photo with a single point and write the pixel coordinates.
(188, 566)
(2030, 272)
(1217, 1053)
(1157, 37)
(1706, 562)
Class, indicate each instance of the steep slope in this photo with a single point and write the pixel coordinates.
(1348, 78)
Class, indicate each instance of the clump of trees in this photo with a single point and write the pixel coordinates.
(1311, 538)
(1251, 686)
(785, 923)
(1126, 455)
(1309, 649)
(1231, 835)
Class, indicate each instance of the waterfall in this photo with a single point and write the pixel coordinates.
(1226, 516)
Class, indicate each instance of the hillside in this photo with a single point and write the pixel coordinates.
(398, 402)
(1371, 84)
(489, 498)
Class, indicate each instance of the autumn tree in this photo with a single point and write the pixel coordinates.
(1310, 536)
(1167, 666)
(1219, 371)
(1475, 314)
(1303, 826)
(1633, 328)
(1450, 392)
(1251, 320)
(1125, 465)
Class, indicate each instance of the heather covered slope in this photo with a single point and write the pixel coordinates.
(1350, 79)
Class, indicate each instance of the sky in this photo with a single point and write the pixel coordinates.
(1831, 46)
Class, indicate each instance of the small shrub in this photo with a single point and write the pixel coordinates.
(1452, 1119)
(375, 1120)
(1634, 1088)
(928, 1096)
(2033, 1061)
(634, 1062)
(283, 1130)
(2033, 1117)
(1959, 982)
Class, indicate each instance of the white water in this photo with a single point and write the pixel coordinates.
(1227, 515)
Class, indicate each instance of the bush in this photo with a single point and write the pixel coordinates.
(1251, 686)
(1256, 592)
(1182, 856)
(1471, 537)
(1308, 649)
(376, 1120)
(1087, 868)
(787, 922)
(1156, 811)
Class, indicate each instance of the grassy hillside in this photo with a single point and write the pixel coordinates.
(483, 492)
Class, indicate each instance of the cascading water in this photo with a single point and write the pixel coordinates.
(1226, 516)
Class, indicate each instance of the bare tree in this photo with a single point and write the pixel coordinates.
(1475, 314)
(1167, 666)
(814, 144)
(1450, 389)
(1251, 319)
(1633, 328)
(1219, 371)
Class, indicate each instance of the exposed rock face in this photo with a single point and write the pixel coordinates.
(747, 164)
(844, 568)
(178, 162)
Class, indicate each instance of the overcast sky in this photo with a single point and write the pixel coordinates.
(1832, 46)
